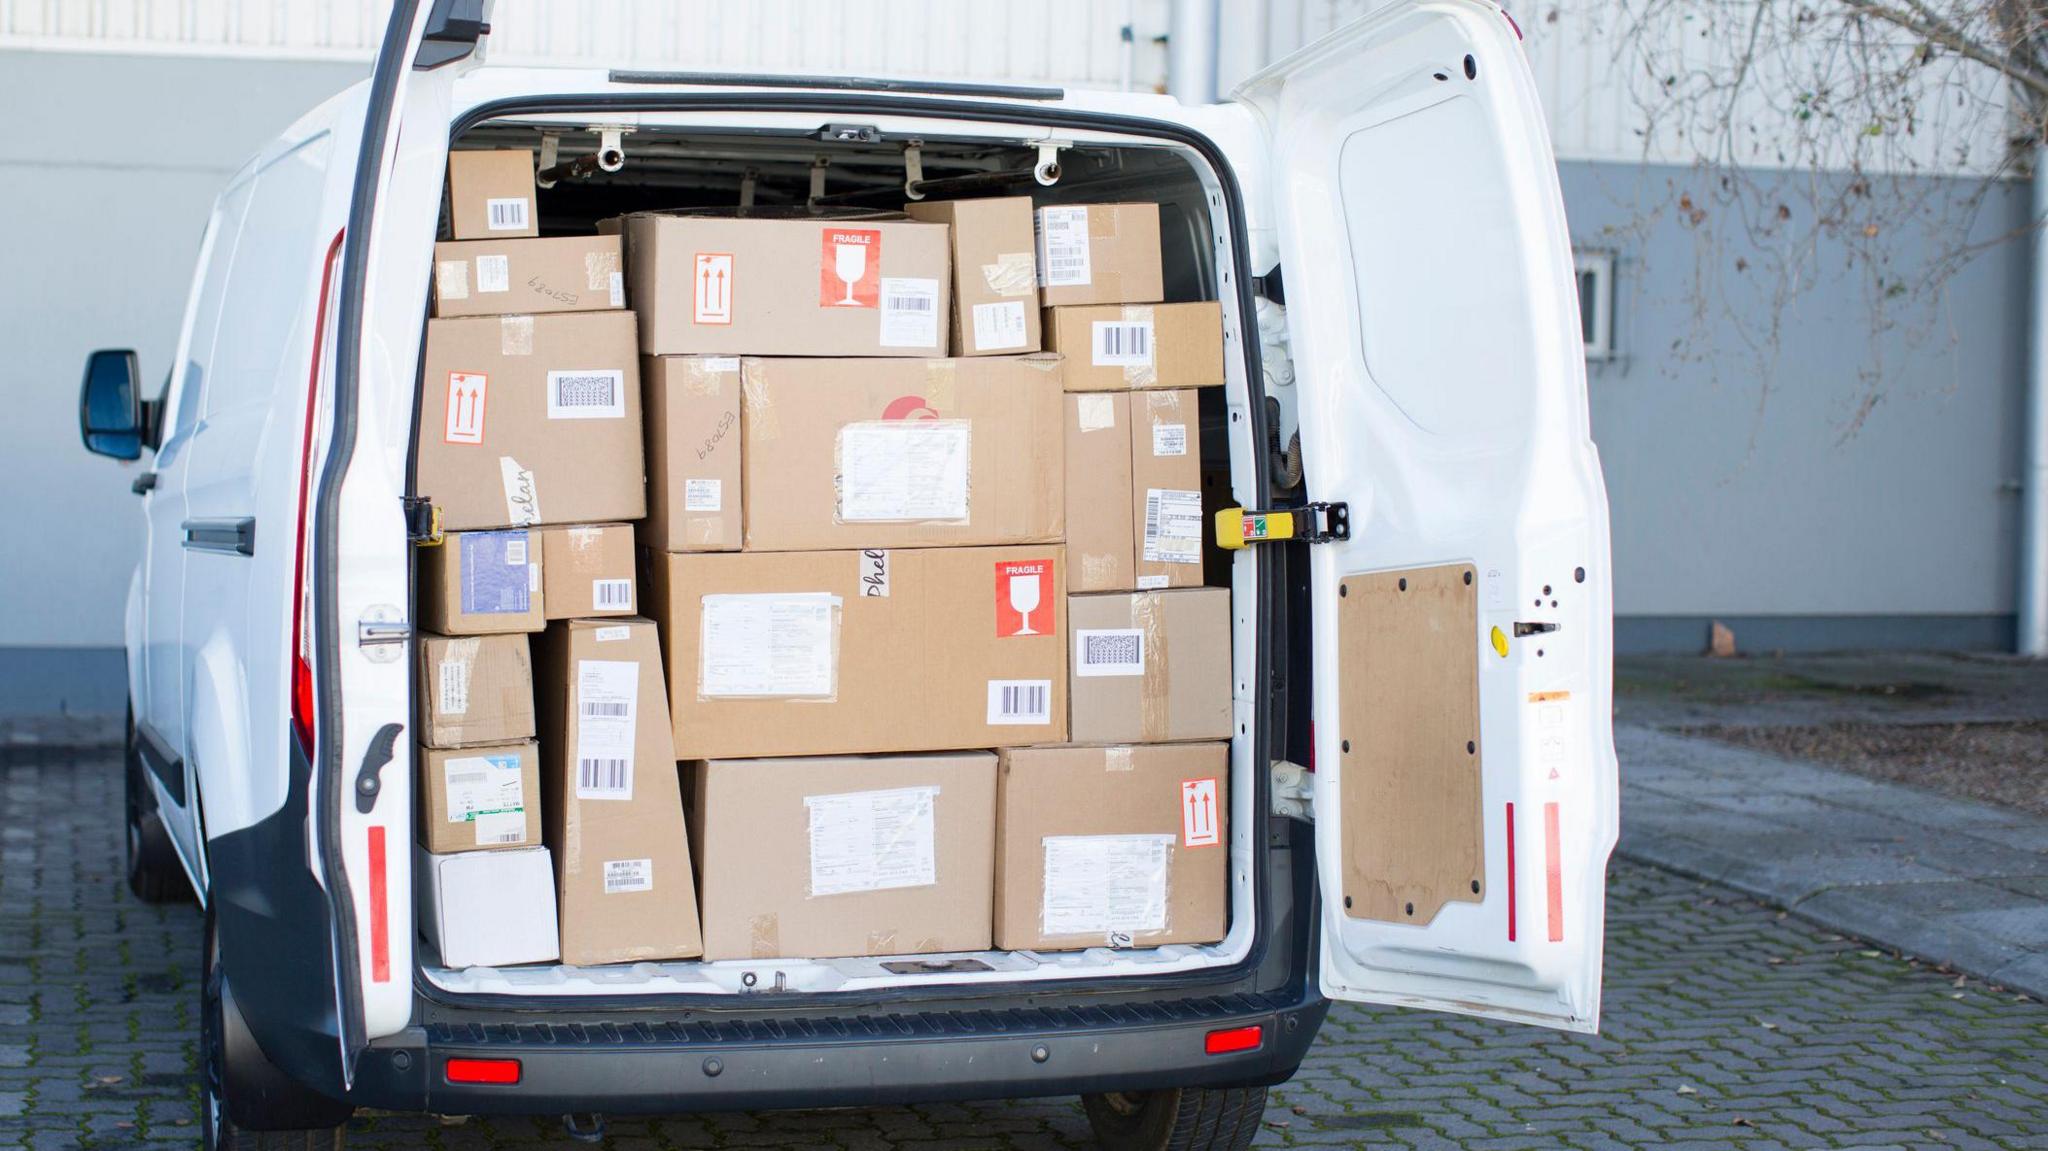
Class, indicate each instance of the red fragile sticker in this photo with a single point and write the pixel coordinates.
(466, 392)
(1024, 598)
(1198, 814)
(850, 268)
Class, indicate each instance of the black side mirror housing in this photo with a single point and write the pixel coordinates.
(112, 417)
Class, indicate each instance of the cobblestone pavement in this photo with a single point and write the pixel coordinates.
(1727, 1025)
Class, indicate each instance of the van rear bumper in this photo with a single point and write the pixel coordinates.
(624, 1064)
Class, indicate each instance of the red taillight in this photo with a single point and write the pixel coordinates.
(1234, 1039)
(494, 1072)
(302, 590)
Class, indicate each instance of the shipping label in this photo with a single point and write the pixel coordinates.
(611, 634)
(466, 394)
(452, 680)
(627, 875)
(1198, 813)
(481, 785)
(493, 274)
(493, 571)
(1121, 344)
(912, 470)
(1109, 651)
(713, 288)
(850, 268)
(872, 840)
(611, 595)
(1019, 702)
(1024, 597)
(507, 213)
(607, 698)
(1063, 259)
(999, 326)
(910, 313)
(703, 495)
(1173, 526)
(1169, 439)
(587, 394)
(1108, 887)
(769, 646)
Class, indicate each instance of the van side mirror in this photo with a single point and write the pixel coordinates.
(112, 417)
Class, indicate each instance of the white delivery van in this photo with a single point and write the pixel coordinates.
(1423, 779)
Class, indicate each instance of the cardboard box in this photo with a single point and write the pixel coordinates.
(870, 284)
(1150, 666)
(1099, 254)
(1168, 526)
(590, 571)
(822, 653)
(995, 273)
(531, 419)
(474, 690)
(480, 798)
(488, 908)
(1101, 555)
(693, 453)
(613, 807)
(505, 277)
(1114, 348)
(816, 858)
(480, 583)
(1114, 846)
(902, 453)
(490, 194)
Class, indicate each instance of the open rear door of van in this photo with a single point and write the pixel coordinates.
(1465, 784)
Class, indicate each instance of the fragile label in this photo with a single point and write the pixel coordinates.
(607, 696)
(624, 875)
(1169, 439)
(1019, 702)
(999, 326)
(483, 784)
(506, 214)
(768, 646)
(493, 571)
(1198, 813)
(522, 494)
(910, 313)
(874, 574)
(903, 470)
(850, 268)
(493, 274)
(703, 495)
(1063, 260)
(1109, 651)
(1024, 598)
(872, 840)
(1122, 344)
(466, 393)
(713, 288)
(587, 394)
(611, 595)
(452, 698)
(1173, 526)
(1107, 887)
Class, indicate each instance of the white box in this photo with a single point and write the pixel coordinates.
(489, 908)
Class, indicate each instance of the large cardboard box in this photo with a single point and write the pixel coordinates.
(1099, 254)
(1100, 553)
(1119, 846)
(478, 798)
(590, 571)
(1124, 346)
(816, 858)
(995, 273)
(902, 453)
(823, 653)
(1150, 666)
(481, 583)
(488, 908)
(531, 419)
(528, 276)
(614, 806)
(474, 689)
(490, 194)
(1167, 522)
(872, 284)
(693, 453)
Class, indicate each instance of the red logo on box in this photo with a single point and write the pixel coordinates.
(909, 408)
(1024, 598)
(850, 268)
(1198, 813)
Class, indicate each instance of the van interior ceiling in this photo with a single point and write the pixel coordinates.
(667, 169)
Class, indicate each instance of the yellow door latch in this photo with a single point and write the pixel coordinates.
(1313, 523)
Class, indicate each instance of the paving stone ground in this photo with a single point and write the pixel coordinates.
(1727, 1025)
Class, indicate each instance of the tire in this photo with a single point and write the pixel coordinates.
(1177, 1119)
(218, 1129)
(154, 875)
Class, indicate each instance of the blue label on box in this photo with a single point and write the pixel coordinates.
(495, 580)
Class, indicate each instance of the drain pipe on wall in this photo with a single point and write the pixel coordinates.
(2032, 592)
(1191, 51)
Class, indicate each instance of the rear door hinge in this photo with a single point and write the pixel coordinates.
(422, 521)
(1312, 523)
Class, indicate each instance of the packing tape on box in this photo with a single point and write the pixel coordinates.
(1095, 411)
(764, 936)
(755, 407)
(1146, 374)
(705, 375)
(1148, 615)
(882, 943)
(451, 279)
(598, 269)
(452, 676)
(1012, 274)
(939, 385)
(583, 543)
(515, 335)
(1098, 571)
(1117, 759)
(1112, 888)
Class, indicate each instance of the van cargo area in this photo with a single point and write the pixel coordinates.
(811, 834)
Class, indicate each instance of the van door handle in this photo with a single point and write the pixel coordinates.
(144, 482)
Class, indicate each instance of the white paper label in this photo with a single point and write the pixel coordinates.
(703, 495)
(1169, 439)
(1153, 582)
(903, 470)
(493, 274)
(587, 395)
(721, 363)
(515, 552)
(482, 784)
(522, 496)
(611, 634)
(768, 646)
(506, 214)
(1109, 651)
(1095, 411)
(999, 325)
(496, 827)
(1198, 822)
(618, 289)
(1063, 247)
(451, 280)
(452, 680)
(1019, 702)
(623, 875)
(872, 840)
(1111, 887)
(467, 392)
(607, 698)
(1173, 526)
(910, 312)
(1122, 344)
(611, 595)
(874, 574)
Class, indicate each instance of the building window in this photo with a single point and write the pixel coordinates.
(1596, 303)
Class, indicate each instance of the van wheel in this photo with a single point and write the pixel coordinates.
(153, 872)
(1177, 1119)
(223, 1037)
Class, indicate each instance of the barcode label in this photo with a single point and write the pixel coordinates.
(607, 697)
(587, 395)
(1123, 344)
(603, 778)
(493, 274)
(623, 875)
(1173, 526)
(604, 710)
(611, 595)
(1063, 260)
(1109, 651)
(910, 312)
(495, 827)
(507, 214)
(1019, 701)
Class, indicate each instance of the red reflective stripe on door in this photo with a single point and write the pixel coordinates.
(1553, 880)
(380, 919)
(1511, 873)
